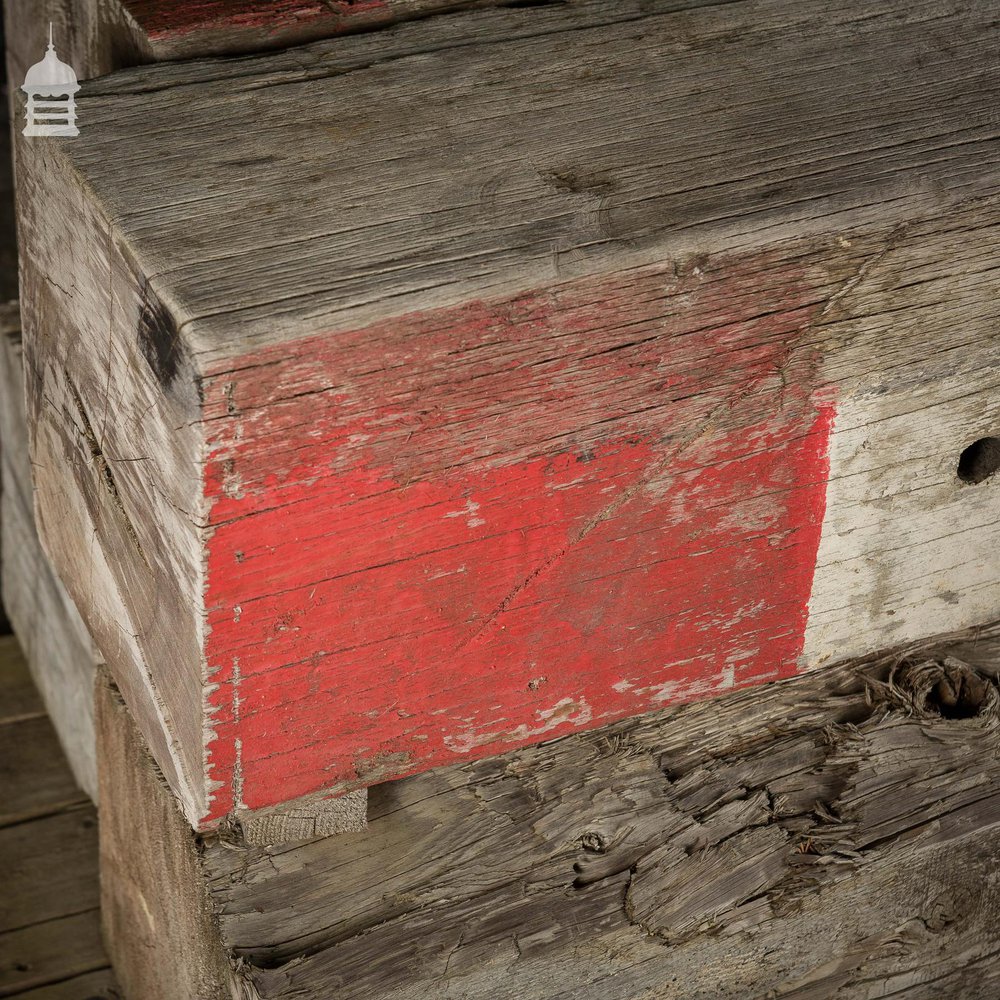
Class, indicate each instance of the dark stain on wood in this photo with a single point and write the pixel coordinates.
(159, 338)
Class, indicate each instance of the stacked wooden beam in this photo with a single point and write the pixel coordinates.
(54, 639)
(392, 413)
(540, 420)
(831, 835)
(51, 633)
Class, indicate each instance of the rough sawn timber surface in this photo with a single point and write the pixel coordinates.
(100, 36)
(831, 835)
(51, 633)
(183, 29)
(414, 409)
(96, 37)
(54, 639)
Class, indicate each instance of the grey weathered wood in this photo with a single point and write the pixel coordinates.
(178, 30)
(55, 641)
(49, 629)
(835, 834)
(100, 36)
(750, 126)
(159, 925)
(316, 818)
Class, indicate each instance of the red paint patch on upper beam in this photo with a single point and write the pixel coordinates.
(165, 19)
(475, 529)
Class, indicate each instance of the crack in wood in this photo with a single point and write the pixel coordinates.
(104, 469)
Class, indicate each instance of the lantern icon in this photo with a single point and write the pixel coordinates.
(50, 86)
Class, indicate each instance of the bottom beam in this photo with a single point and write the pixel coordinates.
(832, 834)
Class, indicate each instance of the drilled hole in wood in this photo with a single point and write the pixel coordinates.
(980, 460)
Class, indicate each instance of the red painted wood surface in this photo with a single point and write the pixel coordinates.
(477, 528)
(166, 19)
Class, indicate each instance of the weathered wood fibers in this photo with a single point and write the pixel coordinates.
(830, 835)
(176, 29)
(50, 946)
(100, 36)
(158, 921)
(91, 35)
(8, 258)
(48, 626)
(675, 311)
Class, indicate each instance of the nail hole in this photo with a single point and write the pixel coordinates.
(980, 460)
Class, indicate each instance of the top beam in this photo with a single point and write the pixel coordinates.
(414, 407)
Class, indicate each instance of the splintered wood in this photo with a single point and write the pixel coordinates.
(392, 409)
(831, 835)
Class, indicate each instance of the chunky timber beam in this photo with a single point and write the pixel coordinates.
(831, 834)
(55, 643)
(392, 409)
(176, 29)
(100, 36)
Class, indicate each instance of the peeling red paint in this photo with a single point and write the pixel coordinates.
(165, 19)
(474, 529)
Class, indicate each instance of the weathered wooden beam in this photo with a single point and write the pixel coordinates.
(48, 626)
(413, 409)
(834, 833)
(100, 36)
(159, 924)
(183, 29)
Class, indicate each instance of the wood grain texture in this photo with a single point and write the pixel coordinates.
(33, 775)
(51, 868)
(101, 36)
(49, 925)
(831, 834)
(54, 951)
(49, 629)
(184, 29)
(90, 986)
(628, 378)
(159, 926)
